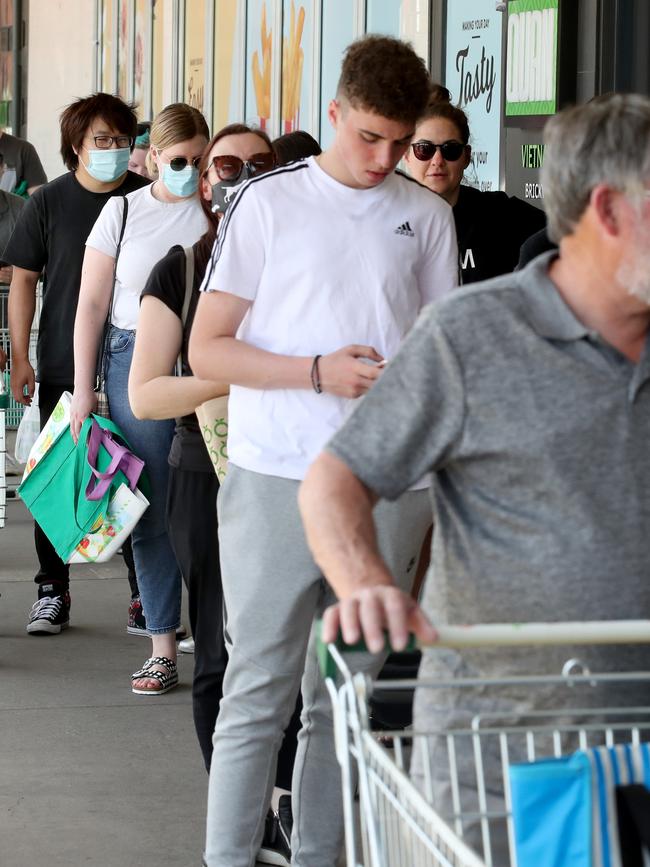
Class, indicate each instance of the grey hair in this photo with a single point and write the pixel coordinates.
(605, 141)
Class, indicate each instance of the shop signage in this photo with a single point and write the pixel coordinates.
(532, 57)
(473, 75)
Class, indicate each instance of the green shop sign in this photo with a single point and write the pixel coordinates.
(531, 61)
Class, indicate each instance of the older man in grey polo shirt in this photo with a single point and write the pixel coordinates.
(528, 397)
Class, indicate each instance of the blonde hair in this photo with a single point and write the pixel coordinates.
(175, 123)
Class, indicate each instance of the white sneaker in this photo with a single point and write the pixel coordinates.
(186, 645)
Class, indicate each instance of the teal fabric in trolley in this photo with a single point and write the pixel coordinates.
(551, 805)
(564, 809)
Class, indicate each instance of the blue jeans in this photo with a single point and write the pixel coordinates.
(159, 577)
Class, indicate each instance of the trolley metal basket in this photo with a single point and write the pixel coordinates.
(400, 825)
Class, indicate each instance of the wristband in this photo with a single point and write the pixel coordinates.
(315, 375)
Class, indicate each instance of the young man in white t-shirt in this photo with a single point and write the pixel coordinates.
(319, 270)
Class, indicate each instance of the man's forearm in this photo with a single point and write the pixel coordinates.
(227, 359)
(336, 509)
(22, 306)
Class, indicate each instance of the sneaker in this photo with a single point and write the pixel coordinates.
(270, 851)
(285, 826)
(186, 645)
(137, 624)
(50, 614)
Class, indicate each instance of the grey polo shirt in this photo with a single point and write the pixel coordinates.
(538, 435)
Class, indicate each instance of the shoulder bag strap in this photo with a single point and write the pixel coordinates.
(107, 324)
(189, 286)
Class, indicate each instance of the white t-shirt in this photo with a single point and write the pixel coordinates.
(152, 227)
(325, 266)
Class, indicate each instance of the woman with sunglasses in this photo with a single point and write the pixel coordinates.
(155, 393)
(491, 226)
(234, 154)
(164, 213)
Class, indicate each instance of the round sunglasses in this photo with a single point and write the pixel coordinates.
(177, 164)
(449, 150)
(229, 167)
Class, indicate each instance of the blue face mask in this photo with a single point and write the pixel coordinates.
(182, 184)
(108, 165)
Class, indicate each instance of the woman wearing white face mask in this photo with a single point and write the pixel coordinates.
(158, 216)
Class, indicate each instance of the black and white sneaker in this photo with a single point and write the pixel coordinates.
(271, 851)
(285, 826)
(50, 614)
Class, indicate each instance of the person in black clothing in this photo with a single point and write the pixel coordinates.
(491, 226)
(294, 146)
(97, 135)
(534, 246)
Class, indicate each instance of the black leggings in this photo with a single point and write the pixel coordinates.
(51, 566)
(193, 532)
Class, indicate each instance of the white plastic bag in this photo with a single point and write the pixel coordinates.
(28, 430)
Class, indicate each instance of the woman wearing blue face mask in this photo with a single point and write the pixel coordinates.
(158, 216)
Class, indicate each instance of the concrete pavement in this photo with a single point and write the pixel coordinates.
(90, 774)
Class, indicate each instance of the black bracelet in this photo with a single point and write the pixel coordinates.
(315, 375)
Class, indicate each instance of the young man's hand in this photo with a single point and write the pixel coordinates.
(346, 374)
(22, 374)
(370, 612)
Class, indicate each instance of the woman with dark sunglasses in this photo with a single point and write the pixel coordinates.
(491, 226)
(128, 238)
(233, 155)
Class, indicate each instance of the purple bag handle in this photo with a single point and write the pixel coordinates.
(121, 459)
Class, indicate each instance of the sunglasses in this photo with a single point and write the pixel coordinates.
(229, 168)
(177, 164)
(449, 150)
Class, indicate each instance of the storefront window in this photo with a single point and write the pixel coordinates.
(228, 62)
(123, 48)
(157, 57)
(6, 63)
(141, 54)
(338, 31)
(298, 66)
(194, 77)
(106, 39)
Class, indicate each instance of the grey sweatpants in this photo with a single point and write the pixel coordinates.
(272, 591)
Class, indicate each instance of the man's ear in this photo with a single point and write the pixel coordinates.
(334, 112)
(605, 203)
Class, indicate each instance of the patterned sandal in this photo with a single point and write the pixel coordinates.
(167, 680)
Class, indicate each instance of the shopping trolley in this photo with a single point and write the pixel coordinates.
(401, 825)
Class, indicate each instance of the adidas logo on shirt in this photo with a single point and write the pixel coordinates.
(405, 229)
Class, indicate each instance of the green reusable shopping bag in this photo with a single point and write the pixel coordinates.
(54, 490)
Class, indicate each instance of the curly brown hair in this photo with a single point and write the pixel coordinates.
(385, 76)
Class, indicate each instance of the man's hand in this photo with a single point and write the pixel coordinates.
(371, 612)
(84, 401)
(5, 274)
(22, 374)
(344, 373)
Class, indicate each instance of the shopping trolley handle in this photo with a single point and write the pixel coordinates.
(508, 635)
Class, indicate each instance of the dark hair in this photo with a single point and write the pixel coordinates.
(386, 76)
(204, 246)
(295, 146)
(77, 117)
(440, 106)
